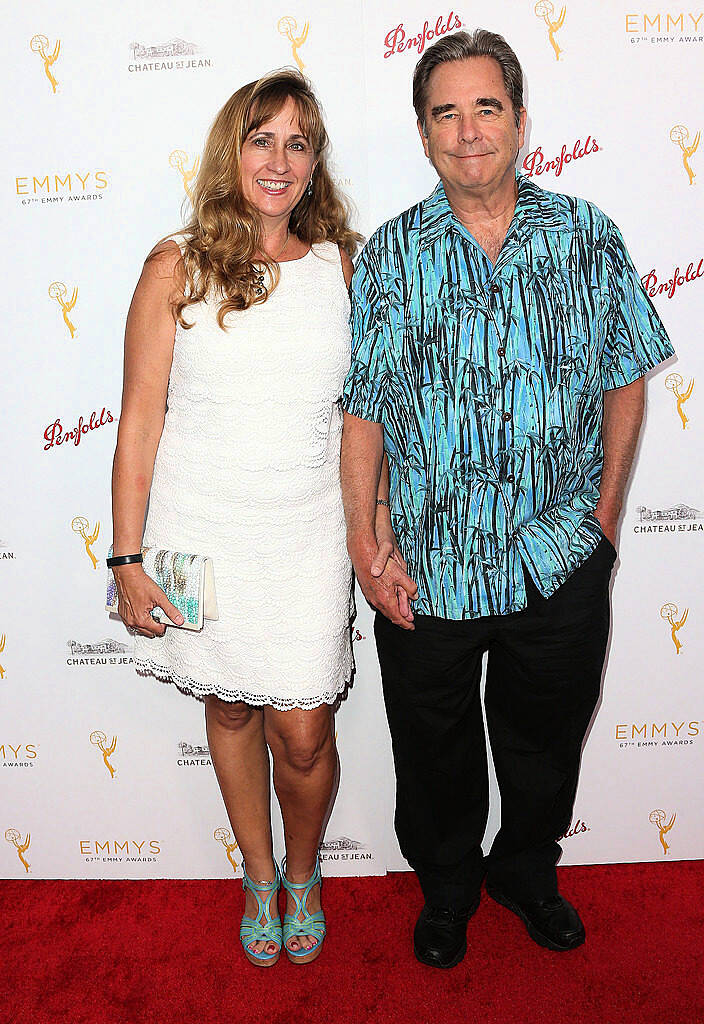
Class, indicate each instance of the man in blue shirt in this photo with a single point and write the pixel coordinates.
(500, 341)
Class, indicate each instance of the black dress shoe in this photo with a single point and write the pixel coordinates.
(440, 935)
(553, 923)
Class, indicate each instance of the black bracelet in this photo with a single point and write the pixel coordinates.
(123, 560)
(380, 501)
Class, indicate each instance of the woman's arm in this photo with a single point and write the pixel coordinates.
(149, 344)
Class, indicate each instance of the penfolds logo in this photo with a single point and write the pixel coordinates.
(397, 40)
(535, 162)
(574, 830)
(654, 286)
(55, 434)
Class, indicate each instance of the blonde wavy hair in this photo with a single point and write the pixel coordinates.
(222, 251)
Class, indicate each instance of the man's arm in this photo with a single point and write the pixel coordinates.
(361, 458)
(623, 415)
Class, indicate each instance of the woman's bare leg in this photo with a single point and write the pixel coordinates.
(241, 760)
(305, 776)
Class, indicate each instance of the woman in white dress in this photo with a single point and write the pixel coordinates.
(236, 350)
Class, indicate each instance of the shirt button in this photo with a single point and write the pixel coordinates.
(495, 288)
(501, 351)
(506, 416)
(510, 478)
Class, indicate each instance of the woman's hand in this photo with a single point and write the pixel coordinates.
(137, 595)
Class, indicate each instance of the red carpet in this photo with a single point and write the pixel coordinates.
(167, 952)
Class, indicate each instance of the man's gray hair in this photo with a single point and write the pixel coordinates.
(464, 46)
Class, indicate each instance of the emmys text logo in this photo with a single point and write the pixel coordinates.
(674, 382)
(397, 39)
(288, 27)
(59, 291)
(575, 830)
(22, 755)
(535, 162)
(81, 526)
(71, 186)
(663, 27)
(116, 851)
(55, 434)
(40, 45)
(176, 55)
(180, 160)
(21, 845)
(224, 836)
(105, 652)
(342, 849)
(680, 136)
(670, 613)
(654, 286)
(100, 740)
(545, 10)
(659, 819)
(193, 756)
(658, 734)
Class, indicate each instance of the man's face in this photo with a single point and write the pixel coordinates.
(472, 138)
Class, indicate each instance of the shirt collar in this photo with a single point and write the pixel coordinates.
(536, 210)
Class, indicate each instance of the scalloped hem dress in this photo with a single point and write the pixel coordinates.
(248, 472)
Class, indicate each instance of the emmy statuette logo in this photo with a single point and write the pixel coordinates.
(40, 44)
(670, 613)
(658, 818)
(679, 135)
(224, 836)
(79, 525)
(179, 161)
(59, 291)
(100, 740)
(13, 836)
(288, 27)
(2, 648)
(674, 383)
(545, 10)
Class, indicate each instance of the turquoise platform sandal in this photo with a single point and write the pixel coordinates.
(252, 930)
(312, 924)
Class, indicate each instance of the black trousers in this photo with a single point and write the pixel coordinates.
(543, 682)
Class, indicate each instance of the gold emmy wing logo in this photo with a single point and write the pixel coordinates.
(100, 740)
(670, 613)
(2, 648)
(289, 27)
(14, 837)
(80, 525)
(679, 135)
(59, 291)
(545, 10)
(658, 818)
(41, 45)
(179, 161)
(674, 383)
(224, 836)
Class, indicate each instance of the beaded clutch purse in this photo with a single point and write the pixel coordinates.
(187, 580)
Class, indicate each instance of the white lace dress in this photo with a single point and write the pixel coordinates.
(248, 473)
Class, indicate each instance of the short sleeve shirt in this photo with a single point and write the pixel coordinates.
(489, 381)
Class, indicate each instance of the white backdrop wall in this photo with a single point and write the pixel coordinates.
(105, 774)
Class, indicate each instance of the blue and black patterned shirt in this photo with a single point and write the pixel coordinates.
(489, 382)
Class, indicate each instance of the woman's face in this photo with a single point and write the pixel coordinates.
(277, 164)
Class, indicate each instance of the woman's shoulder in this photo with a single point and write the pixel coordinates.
(165, 261)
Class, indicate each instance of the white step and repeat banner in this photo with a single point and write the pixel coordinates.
(106, 774)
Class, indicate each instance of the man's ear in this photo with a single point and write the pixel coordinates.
(423, 137)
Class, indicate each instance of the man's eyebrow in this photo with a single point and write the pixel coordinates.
(442, 109)
(489, 101)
